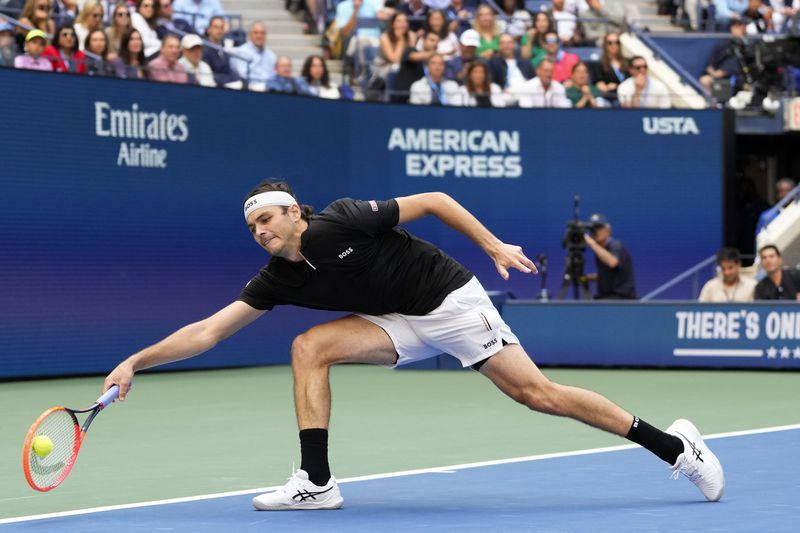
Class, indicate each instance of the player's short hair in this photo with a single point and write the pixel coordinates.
(768, 246)
(728, 254)
(273, 184)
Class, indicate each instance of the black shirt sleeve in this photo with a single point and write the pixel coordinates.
(256, 293)
(373, 217)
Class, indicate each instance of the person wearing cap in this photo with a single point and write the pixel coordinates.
(406, 300)
(256, 62)
(730, 285)
(192, 60)
(456, 68)
(614, 275)
(8, 45)
(166, 67)
(35, 43)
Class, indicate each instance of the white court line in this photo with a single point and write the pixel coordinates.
(403, 473)
(709, 352)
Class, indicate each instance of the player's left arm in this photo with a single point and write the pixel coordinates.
(453, 214)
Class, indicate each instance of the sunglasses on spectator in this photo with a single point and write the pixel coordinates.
(147, 5)
(123, 14)
(612, 42)
(551, 40)
(46, 7)
(639, 67)
(66, 34)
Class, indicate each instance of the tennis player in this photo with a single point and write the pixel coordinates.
(410, 301)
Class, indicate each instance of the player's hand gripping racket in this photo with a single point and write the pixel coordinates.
(53, 441)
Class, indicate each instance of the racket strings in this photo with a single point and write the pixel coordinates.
(60, 427)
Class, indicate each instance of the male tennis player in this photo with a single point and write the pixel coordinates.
(410, 302)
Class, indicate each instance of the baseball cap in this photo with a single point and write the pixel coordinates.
(190, 40)
(470, 37)
(33, 34)
(598, 219)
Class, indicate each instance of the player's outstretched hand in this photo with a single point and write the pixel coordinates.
(122, 376)
(510, 256)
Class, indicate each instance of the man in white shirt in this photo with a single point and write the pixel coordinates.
(729, 286)
(259, 65)
(433, 89)
(508, 70)
(566, 22)
(641, 89)
(192, 60)
(543, 90)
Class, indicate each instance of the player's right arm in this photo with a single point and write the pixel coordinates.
(188, 341)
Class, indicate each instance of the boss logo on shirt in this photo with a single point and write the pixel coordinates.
(345, 253)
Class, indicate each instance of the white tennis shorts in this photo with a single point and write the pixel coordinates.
(466, 325)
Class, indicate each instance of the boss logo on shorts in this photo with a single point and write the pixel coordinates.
(345, 253)
(490, 344)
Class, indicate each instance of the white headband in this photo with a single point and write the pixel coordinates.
(268, 198)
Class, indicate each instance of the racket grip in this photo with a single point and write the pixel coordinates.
(109, 396)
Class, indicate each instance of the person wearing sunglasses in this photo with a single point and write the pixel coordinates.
(64, 53)
(38, 14)
(612, 69)
(89, 19)
(641, 89)
(120, 23)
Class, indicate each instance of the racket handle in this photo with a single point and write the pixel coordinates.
(109, 396)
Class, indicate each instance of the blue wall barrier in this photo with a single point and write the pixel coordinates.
(120, 213)
(658, 334)
(692, 51)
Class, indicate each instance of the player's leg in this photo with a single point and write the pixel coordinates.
(681, 446)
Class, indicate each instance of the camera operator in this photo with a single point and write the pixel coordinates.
(614, 265)
(726, 61)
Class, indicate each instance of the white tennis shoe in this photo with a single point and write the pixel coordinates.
(697, 462)
(300, 494)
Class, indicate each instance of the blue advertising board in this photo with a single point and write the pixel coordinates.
(120, 214)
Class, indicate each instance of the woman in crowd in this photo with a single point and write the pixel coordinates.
(393, 43)
(486, 26)
(581, 92)
(532, 44)
(64, 52)
(315, 72)
(120, 23)
(478, 91)
(145, 19)
(89, 19)
(37, 14)
(515, 20)
(96, 48)
(612, 69)
(131, 62)
(448, 41)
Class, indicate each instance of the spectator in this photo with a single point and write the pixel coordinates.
(169, 23)
(489, 30)
(131, 61)
(393, 43)
(726, 10)
(614, 275)
(315, 72)
(35, 43)
(120, 23)
(166, 67)
(562, 61)
(725, 62)
(533, 41)
(543, 90)
(459, 16)
(216, 58)
(65, 11)
(778, 284)
(757, 18)
(613, 13)
(90, 18)
(782, 13)
(456, 68)
(642, 90)
(192, 61)
(437, 4)
(566, 23)
(64, 53)
(284, 82)
(729, 286)
(478, 91)
(433, 89)
(258, 64)
(508, 70)
(581, 92)
(612, 69)
(198, 12)
(416, 13)
(37, 14)
(782, 188)
(448, 41)
(8, 45)
(411, 67)
(363, 38)
(96, 48)
(145, 19)
(514, 19)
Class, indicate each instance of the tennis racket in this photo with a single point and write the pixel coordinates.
(58, 439)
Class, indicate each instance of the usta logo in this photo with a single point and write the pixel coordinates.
(670, 126)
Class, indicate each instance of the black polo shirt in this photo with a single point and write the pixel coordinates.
(358, 261)
(616, 282)
(787, 290)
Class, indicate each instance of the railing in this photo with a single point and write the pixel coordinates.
(793, 195)
(692, 273)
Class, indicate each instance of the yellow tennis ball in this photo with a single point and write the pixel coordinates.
(42, 445)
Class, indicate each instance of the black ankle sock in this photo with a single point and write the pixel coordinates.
(667, 447)
(314, 455)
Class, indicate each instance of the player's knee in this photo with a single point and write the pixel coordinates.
(304, 350)
(541, 397)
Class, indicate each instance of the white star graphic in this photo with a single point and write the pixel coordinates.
(772, 353)
(797, 353)
(785, 353)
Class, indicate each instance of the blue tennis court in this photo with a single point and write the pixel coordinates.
(611, 489)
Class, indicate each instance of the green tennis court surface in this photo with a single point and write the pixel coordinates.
(185, 434)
